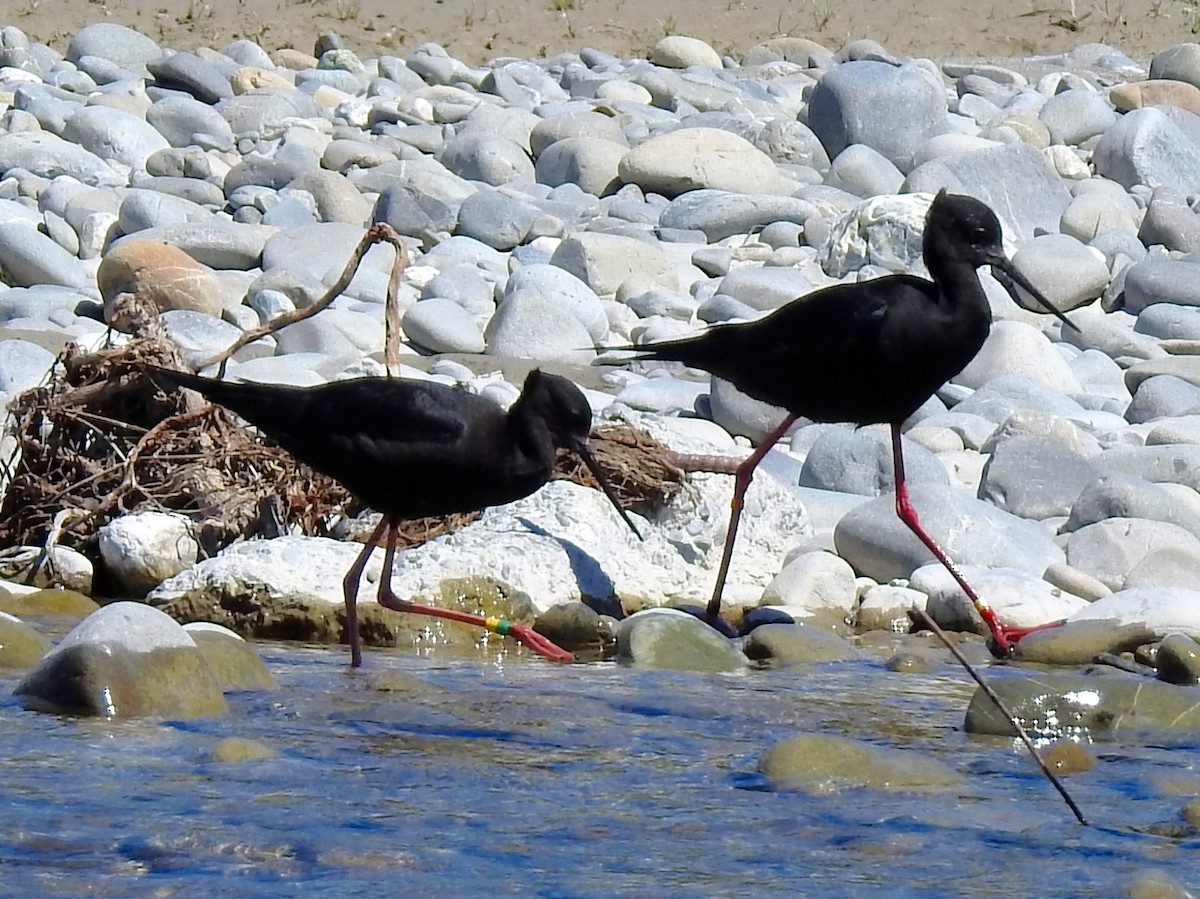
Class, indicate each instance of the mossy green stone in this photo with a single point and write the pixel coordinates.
(234, 662)
(824, 763)
(21, 646)
(96, 679)
(239, 749)
(67, 603)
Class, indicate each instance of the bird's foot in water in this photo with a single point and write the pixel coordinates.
(1003, 641)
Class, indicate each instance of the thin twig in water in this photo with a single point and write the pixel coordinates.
(1005, 711)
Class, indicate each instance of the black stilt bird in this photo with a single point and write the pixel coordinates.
(411, 449)
(866, 353)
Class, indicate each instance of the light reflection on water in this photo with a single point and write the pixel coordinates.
(524, 778)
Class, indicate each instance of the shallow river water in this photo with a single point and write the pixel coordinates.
(513, 776)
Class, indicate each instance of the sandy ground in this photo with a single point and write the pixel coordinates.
(477, 30)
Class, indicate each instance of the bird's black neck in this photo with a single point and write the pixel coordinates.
(529, 434)
(958, 284)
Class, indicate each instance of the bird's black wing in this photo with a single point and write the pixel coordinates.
(377, 419)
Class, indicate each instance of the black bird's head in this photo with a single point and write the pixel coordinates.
(560, 405)
(566, 414)
(963, 229)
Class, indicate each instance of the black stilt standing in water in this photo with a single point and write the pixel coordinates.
(411, 449)
(867, 353)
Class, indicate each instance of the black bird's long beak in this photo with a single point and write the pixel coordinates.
(1005, 265)
(581, 449)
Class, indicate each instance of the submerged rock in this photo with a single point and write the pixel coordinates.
(1081, 705)
(669, 638)
(126, 660)
(825, 764)
(21, 646)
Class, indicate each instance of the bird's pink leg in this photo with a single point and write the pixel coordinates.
(1004, 637)
(350, 591)
(520, 632)
(741, 481)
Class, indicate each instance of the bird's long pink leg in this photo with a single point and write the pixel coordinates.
(1004, 637)
(520, 632)
(741, 481)
(350, 591)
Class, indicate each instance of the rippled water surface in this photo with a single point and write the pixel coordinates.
(519, 777)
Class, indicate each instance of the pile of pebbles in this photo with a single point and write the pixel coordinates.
(558, 205)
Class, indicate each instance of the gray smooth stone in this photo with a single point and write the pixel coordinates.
(1145, 146)
(116, 43)
(247, 53)
(1162, 396)
(143, 209)
(1178, 63)
(1110, 549)
(114, 135)
(185, 121)
(1022, 188)
(264, 171)
(193, 190)
(216, 243)
(48, 156)
(1117, 495)
(1035, 477)
(864, 172)
(874, 540)
(49, 107)
(740, 414)
(720, 214)
(1169, 464)
(124, 660)
(860, 461)
(317, 336)
(465, 286)
(23, 365)
(530, 325)
(414, 212)
(442, 326)
(586, 125)
(606, 261)
(1068, 272)
(321, 252)
(1001, 396)
(1095, 211)
(337, 199)
(1169, 321)
(764, 288)
(488, 158)
(792, 142)
(797, 644)
(251, 115)
(1178, 660)
(28, 257)
(1171, 222)
(906, 108)
(1075, 115)
(565, 289)
(665, 395)
(188, 72)
(495, 218)
(1159, 279)
(590, 163)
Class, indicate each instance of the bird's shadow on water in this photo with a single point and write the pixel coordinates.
(588, 574)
